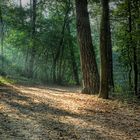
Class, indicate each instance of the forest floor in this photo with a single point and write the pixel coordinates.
(62, 113)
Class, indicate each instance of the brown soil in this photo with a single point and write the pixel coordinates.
(58, 113)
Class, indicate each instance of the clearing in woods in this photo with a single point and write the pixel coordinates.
(61, 113)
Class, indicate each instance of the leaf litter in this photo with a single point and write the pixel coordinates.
(62, 113)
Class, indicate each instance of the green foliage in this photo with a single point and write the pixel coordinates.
(5, 81)
(50, 40)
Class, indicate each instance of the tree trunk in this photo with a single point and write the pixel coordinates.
(131, 44)
(88, 60)
(2, 37)
(138, 51)
(136, 4)
(74, 65)
(104, 41)
(135, 70)
(110, 59)
(57, 56)
(33, 33)
(73, 60)
(21, 9)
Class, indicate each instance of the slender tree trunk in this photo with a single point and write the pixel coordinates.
(1, 37)
(88, 60)
(21, 8)
(110, 59)
(130, 44)
(134, 48)
(20, 3)
(56, 58)
(104, 42)
(33, 34)
(138, 50)
(60, 67)
(135, 70)
(73, 60)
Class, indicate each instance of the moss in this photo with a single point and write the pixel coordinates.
(5, 80)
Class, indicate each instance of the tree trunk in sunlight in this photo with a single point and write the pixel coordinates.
(88, 60)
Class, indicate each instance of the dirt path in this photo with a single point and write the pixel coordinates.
(48, 113)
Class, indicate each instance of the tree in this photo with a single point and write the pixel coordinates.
(33, 35)
(88, 60)
(110, 57)
(1, 36)
(133, 45)
(104, 42)
(127, 34)
(72, 55)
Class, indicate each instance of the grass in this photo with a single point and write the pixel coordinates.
(6, 80)
(17, 80)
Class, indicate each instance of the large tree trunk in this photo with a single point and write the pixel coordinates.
(103, 50)
(88, 60)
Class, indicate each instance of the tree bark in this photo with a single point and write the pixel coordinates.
(87, 54)
(104, 50)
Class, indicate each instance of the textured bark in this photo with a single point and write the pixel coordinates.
(88, 60)
(104, 50)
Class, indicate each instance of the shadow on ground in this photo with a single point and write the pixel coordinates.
(27, 118)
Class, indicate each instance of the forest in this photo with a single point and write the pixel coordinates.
(69, 70)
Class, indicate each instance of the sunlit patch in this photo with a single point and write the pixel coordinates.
(56, 112)
(21, 102)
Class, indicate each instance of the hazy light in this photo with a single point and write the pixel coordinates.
(25, 2)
